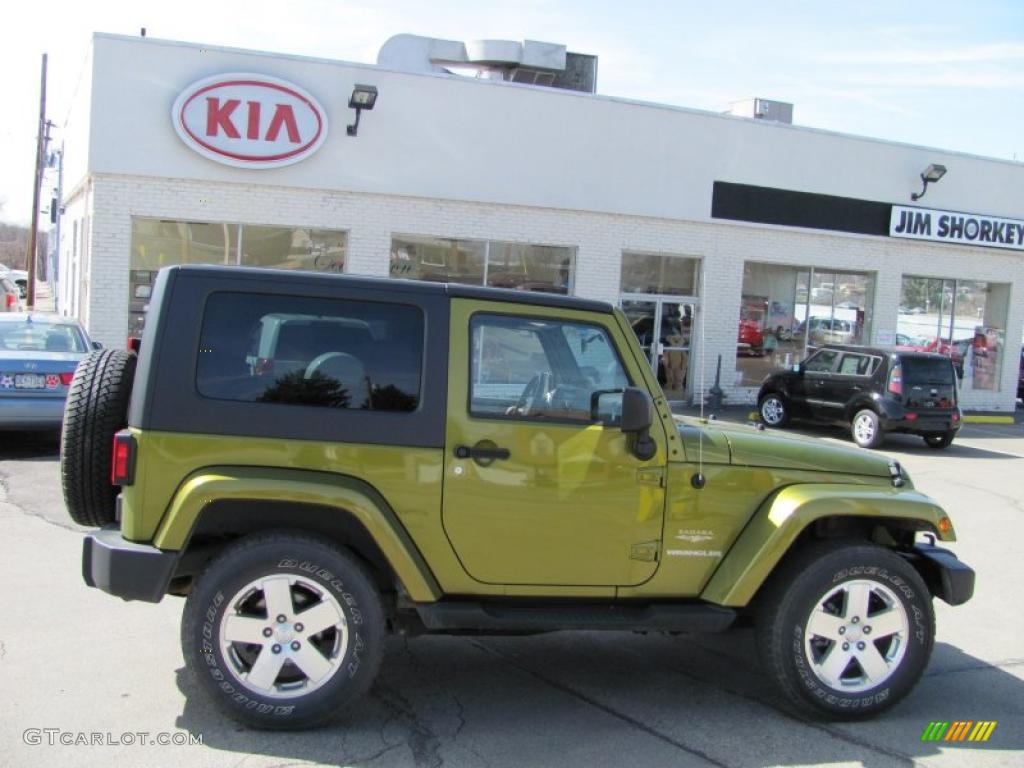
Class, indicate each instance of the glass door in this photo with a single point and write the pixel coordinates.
(669, 348)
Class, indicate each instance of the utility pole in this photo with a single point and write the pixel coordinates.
(42, 139)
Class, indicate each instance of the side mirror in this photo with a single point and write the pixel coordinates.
(637, 417)
(637, 410)
(97, 345)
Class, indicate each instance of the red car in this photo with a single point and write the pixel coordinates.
(751, 337)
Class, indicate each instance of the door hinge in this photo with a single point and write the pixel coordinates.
(651, 476)
(646, 552)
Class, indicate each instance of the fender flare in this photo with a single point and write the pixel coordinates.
(786, 513)
(346, 494)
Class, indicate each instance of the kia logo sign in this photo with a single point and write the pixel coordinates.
(249, 121)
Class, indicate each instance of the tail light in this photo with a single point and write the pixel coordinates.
(263, 365)
(66, 377)
(11, 300)
(895, 386)
(122, 461)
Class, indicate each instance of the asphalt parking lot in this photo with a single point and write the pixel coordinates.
(76, 662)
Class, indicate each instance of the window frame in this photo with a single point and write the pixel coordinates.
(165, 398)
(820, 352)
(609, 335)
(275, 336)
(873, 362)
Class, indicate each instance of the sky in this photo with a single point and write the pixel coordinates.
(938, 74)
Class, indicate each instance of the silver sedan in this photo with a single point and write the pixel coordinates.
(38, 356)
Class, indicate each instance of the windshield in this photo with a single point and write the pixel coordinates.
(41, 337)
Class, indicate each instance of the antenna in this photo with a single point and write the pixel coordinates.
(698, 480)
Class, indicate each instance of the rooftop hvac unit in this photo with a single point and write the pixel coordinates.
(763, 109)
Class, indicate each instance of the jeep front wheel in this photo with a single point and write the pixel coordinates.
(846, 629)
(283, 630)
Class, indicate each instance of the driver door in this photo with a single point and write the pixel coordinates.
(536, 491)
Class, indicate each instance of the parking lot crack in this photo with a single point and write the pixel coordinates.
(423, 742)
(589, 700)
(900, 757)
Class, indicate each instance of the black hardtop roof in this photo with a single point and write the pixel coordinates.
(397, 285)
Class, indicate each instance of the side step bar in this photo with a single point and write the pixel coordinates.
(550, 617)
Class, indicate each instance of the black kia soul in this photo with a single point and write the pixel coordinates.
(874, 391)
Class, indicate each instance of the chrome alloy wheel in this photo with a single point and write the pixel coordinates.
(856, 636)
(772, 410)
(284, 636)
(864, 429)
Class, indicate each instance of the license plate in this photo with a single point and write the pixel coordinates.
(29, 381)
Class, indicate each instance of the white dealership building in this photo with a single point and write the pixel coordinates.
(735, 236)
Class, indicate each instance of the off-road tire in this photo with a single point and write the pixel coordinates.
(939, 441)
(223, 668)
(96, 408)
(866, 429)
(789, 607)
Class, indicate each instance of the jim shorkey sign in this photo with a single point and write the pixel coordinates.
(960, 228)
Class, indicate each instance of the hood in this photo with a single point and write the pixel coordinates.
(745, 445)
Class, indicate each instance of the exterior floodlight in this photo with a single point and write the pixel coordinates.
(363, 97)
(929, 175)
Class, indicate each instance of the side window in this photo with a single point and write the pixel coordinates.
(821, 361)
(294, 350)
(855, 365)
(859, 365)
(529, 368)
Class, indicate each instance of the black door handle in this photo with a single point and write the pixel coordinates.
(483, 453)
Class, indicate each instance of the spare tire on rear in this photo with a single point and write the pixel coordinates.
(97, 408)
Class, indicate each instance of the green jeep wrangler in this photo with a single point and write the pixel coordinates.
(315, 461)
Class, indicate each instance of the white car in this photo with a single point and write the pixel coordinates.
(18, 276)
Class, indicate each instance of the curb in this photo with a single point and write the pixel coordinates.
(986, 419)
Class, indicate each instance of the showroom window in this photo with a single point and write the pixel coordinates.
(524, 267)
(160, 243)
(788, 312)
(965, 319)
(659, 274)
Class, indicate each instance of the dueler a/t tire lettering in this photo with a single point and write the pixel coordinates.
(828, 574)
(264, 600)
(96, 408)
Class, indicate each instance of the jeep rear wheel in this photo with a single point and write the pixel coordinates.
(96, 408)
(867, 429)
(773, 410)
(283, 630)
(846, 629)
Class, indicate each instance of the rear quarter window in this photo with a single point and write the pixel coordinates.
(305, 351)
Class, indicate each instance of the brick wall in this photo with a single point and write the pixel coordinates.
(600, 239)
